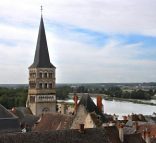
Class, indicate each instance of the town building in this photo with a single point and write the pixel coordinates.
(41, 93)
(88, 113)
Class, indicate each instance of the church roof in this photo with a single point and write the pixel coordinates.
(42, 59)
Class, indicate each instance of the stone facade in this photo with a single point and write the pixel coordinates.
(42, 94)
(83, 117)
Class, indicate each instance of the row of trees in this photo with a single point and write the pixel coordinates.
(135, 94)
(14, 97)
(118, 92)
(11, 97)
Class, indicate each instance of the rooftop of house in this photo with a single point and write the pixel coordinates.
(151, 128)
(133, 138)
(94, 135)
(54, 121)
(8, 121)
(25, 115)
(4, 113)
(90, 107)
(136, 117)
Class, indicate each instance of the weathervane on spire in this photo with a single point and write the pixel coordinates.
(41, 9)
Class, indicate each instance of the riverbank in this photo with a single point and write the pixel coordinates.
(137, 101)
(106, 97)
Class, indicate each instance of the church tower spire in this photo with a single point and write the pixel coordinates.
(41, 93)
(41, 59)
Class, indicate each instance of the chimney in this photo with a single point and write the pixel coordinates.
(99, 103)
(121, 132)
(147, 136)
(75, 98)
(13, 110)
(63, 108)
(135, 125)
(125, 118)
(81, 130)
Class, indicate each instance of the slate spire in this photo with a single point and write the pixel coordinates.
(41, 59)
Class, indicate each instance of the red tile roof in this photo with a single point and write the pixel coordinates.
(54, 121)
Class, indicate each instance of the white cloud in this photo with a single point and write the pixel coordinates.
(115, 62)
(75, 60)
(137, 16)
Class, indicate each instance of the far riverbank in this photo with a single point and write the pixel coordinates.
(151, 102)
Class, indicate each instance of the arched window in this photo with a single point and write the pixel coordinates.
(50, 85)
(45, 75)
(40, 85)
(32, 84)
(50, 75)
(46, 109)
(40, 75)
(45, 85)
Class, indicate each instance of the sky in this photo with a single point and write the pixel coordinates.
(89, 41)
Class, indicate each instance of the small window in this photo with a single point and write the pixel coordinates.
(50, 75)
(40, 75)
(40, 85)
(45, 75)
(32, 99)
(50, 85)
(32, 84)
(45, 85)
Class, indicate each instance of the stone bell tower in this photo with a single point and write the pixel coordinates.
(41, 92)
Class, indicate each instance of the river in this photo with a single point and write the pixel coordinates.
(124, 107)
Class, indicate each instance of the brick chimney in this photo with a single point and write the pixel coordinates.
(13, 110)
(81, 130)
(135, 125)
(121, 132)
(99, 103)
(125, 118)
(63, 108)
(75, 98)
(147, 136)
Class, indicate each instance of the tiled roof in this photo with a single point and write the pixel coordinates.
(153, 140)
(148, 127)
(54, 121)
(137, 117)
(133, 138)
(94, 135)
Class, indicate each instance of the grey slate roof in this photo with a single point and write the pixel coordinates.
(41, 59)
(90, 106)
(8, 121)
(25, 116)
